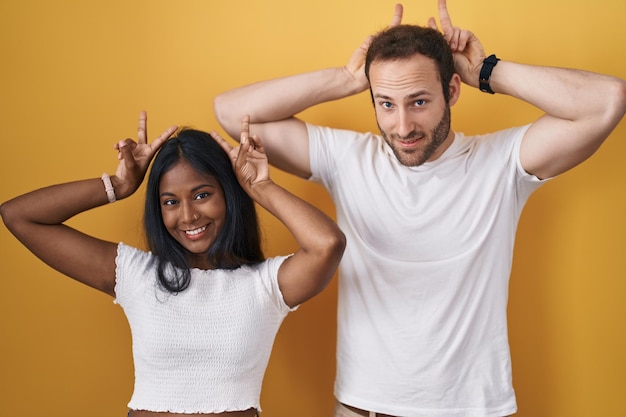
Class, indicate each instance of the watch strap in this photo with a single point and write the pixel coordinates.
(485, 73)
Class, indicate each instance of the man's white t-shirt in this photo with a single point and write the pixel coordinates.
(423, 284)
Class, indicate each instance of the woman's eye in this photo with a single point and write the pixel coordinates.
(169, 202)
(200, 196)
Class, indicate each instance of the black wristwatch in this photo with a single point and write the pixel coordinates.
(485, 74)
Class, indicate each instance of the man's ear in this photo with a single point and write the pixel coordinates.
(454, 89)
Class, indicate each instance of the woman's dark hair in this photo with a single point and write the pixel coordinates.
(239, 241)
(405, 41)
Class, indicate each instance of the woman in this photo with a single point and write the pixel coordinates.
(203, 304)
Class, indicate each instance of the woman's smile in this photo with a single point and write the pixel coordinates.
(195, 233)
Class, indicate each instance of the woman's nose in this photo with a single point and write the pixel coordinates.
(189, 214)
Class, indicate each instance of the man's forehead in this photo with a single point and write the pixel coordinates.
(417, 67)
(407, 76)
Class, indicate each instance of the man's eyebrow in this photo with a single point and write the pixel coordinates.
(407, 97)
(417, 94)
(378, 95)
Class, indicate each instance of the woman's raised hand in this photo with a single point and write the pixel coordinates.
(248, 159)
(135, 157)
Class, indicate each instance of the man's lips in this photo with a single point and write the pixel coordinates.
(408, 142)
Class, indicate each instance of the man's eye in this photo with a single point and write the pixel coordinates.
(386, 104)
(420, 103)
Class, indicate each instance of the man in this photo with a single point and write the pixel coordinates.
(430, 214)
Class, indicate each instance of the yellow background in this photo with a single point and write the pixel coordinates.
(74, 76)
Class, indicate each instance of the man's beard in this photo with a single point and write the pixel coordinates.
(417, 156)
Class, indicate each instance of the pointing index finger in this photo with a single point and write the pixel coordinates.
(245, 129)
(397, 15)
(142, 129)
(444, 19)
(156, 144)
(221, 141)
